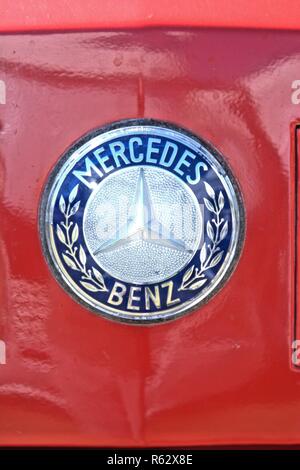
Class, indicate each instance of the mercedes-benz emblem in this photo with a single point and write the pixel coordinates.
(141, 221)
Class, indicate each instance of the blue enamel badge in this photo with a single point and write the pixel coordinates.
(141, 221)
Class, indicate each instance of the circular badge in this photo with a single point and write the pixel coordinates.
(141, 221)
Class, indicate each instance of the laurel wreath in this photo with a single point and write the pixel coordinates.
(210, 254)
(74, 256)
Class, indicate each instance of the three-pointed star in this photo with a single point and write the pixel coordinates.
(142, 224)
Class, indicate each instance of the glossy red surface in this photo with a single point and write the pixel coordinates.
(98, 14)
(221, 375)
(296, 153)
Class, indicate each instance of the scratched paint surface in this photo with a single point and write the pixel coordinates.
(220, 375)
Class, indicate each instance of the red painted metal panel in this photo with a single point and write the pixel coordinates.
(296, 153)
(95, 14)
(221, 375)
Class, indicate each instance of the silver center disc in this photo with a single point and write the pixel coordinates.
(142, 224)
